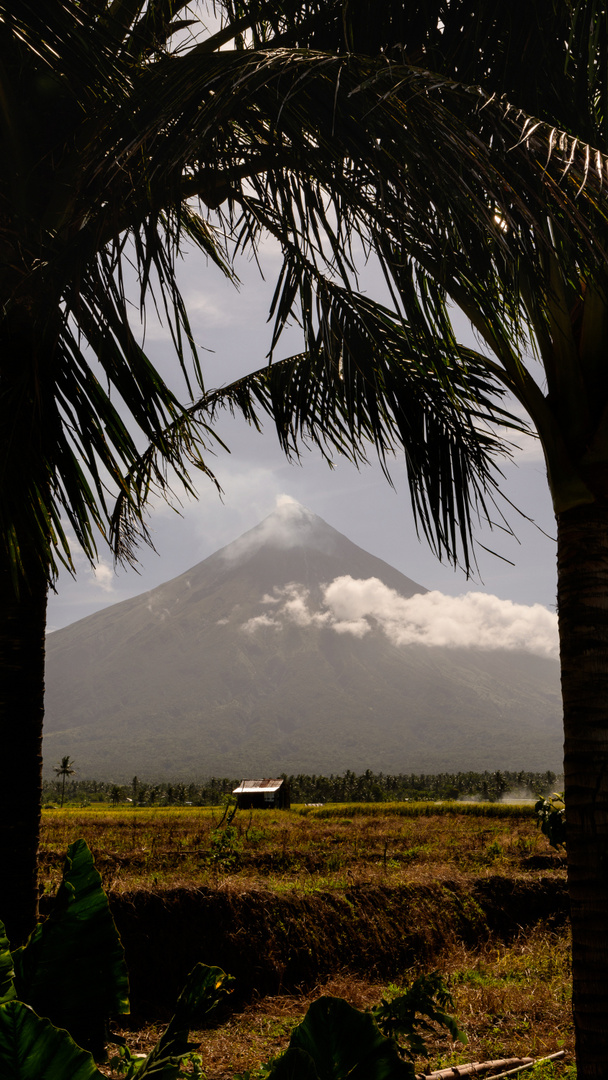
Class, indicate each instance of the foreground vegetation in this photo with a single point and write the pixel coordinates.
(510, 997)
(417, 869)
(346, 1031)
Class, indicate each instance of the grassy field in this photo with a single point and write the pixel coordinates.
(511, 994)
(511, 999)
(302, 849)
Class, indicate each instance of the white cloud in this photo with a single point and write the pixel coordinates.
(160, 613)
(285, 528)
(473, 620)
(260, 621)
(104, 576)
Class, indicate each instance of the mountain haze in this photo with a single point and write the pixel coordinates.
(197, 677)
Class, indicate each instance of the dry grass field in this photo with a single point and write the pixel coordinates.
(301, 849)
(512, 1000)
(511, 989)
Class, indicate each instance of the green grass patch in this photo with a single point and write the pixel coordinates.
(419, 809)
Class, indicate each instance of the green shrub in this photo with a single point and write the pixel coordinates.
(551, 818)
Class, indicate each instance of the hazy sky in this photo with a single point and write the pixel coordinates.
(231, 327)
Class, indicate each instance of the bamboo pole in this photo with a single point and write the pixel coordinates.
(478, 1068)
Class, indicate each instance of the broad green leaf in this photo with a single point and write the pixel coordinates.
(7, 971)
(344, 1042)
(204, 989)
(295, 1064)
(72, 969)
(33, 1049)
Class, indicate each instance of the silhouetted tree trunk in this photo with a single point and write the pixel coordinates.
(22, 647)
(583, 623)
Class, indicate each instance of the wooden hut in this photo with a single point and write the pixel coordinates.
(262, 795)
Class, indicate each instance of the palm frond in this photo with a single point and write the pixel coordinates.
(118, 141)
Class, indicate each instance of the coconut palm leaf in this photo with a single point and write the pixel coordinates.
(318, 149)
(370, 380)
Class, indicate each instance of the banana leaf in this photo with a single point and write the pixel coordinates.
(341, 1042)
(34, 1049)
(295, 1064)
(7, 970)
(72, 969)
(204, 989)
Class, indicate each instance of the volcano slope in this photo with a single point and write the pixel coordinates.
(237, 667)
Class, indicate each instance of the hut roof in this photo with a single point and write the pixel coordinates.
(253, 787)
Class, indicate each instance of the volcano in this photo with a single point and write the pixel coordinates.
(201, 676)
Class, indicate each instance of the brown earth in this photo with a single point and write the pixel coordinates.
(296, 907)
(501, 944)
(273, 942)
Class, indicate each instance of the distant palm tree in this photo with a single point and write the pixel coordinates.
(64, 770)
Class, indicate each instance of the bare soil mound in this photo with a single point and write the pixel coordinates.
(275, 942)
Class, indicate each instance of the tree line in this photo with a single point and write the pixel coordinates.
(346, 787)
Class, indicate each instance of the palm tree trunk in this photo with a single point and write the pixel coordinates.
(22, 643)
(583, 626)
